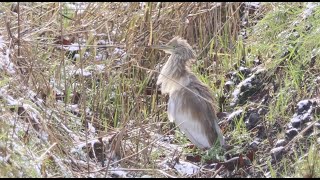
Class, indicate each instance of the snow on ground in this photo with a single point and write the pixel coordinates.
(5, 62)
(309, 9)
(245, 85)
(234, 114)
(186, 168)
(80, 6)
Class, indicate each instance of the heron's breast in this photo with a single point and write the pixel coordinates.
(170, 85)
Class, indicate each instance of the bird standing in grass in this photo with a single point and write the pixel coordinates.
(190, 103)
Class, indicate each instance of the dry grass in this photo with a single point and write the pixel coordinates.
(60, 111)
(122, 99)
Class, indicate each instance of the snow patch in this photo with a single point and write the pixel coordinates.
(229, 83)
(247, 83)
(85, 72)
(91, 129)
(309, 10)
(100, 68)
(72, 47)
(80, 6)
(254, 4)
(76, 56)
(5, 62)
(2, 44)
(119, 173)
(186, 168)
(303, 103)
(118, 51)
(234, 114)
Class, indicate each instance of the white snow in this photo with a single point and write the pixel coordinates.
(236, 92)
(76, 56)
(229, 83)
(255, 4)
(2, 44)
(120, 173)
(241, 68)
(100, 68)
(30, 110)
(280, 141)
(309, 9)
(5, 62)
(72, 47)
(303, 103)
(119, 51)
(85, 72)
(99, 57)
(234, 114)
(80, 6)
(91, 129)
(186, 168)
(142, 5)
(306, 13)
(102, 42)
(246, 83)
(277, 149)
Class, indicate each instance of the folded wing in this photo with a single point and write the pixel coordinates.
(195, 116)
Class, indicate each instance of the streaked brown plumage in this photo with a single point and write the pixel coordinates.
(194, 115)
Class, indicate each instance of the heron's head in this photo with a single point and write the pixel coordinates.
(179, 47)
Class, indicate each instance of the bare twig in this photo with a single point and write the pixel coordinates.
(217, 171)
(41, 157)
(19, 38)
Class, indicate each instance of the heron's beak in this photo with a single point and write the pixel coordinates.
(165, 48)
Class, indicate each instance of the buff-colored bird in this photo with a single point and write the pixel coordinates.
(192, 112)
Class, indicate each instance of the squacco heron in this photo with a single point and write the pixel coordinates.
(190, 103)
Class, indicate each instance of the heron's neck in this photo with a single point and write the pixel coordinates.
(175, 67)
(175, 70)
